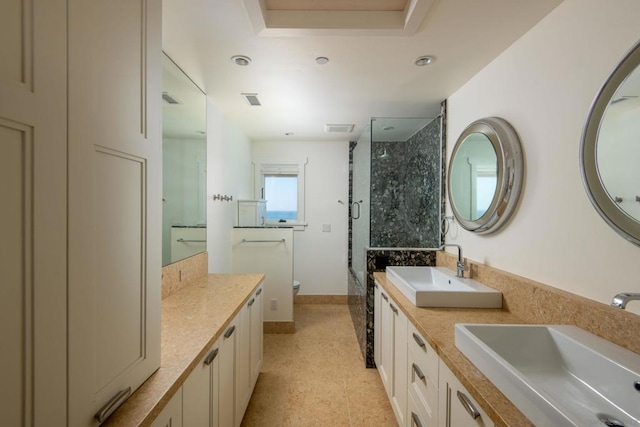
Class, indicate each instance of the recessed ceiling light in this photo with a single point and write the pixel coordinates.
(321, 60)
(423, 60)
(289, 133)
(241, 60)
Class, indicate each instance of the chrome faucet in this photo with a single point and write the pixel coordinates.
(460, 264)
(621, 300)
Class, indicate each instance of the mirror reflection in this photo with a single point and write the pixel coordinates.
(617, 147)
(184, 162)
(474, 171)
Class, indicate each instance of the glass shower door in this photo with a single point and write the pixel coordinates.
(360, 207)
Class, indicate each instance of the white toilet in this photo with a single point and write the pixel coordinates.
(296, 287)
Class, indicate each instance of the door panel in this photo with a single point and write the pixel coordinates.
(33, 215)
(114, 200)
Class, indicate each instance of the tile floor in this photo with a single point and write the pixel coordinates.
(316, 377)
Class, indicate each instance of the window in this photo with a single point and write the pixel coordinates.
(281, 184)
(281, 193)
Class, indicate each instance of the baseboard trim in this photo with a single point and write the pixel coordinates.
(321, 299)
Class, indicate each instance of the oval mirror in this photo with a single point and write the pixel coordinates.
(609, 151)
(485, 175)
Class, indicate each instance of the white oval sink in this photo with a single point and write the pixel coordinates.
(439, 287)
(557, 375)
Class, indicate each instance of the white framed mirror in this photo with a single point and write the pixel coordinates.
(184, 160)
(609, 151)
(485, 175)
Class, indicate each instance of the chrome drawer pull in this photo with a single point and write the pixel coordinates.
(113, 404)
(418, 371)
(395, 310)
(416, 419)
(211, 357)
(259, 292)
(251, 302)
(230, 331)
(384, 296)
(468, 406)
(418, 340)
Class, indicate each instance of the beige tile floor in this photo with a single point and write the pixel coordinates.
(316, 377)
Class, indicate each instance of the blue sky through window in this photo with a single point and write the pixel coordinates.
(281, 194)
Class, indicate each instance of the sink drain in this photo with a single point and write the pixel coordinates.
(609, 421)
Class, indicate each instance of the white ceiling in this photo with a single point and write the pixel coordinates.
(367, 76)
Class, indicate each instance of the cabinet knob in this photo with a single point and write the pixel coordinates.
(251, 302)
(211, 357)
(418, 371)
(393, 308)
(416, 419)
(259, 292)
(419, 340)
(230, 331)
(467, 405)
(113, 404)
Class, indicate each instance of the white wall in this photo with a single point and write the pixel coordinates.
(229, 172)
(320, 258)
(543, 85)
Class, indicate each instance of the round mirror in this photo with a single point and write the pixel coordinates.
(485, 175)
(610, 152)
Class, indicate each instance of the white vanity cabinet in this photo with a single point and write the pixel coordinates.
(171, 415)
(393, 355)
(200, 391)
(257, 335)
(456, 407)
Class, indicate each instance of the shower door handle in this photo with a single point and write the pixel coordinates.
(354, 216)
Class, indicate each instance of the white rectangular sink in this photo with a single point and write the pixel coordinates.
(557, 375)
(439, 287)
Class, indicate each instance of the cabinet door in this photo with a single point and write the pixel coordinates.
(456, 406)
(200, 403)
(243, 360)
(377, 301)
(256, 336)
(33, 199)
(115, 200)
(386, 343)
(171, 415)
(227, 377)
(400, 372)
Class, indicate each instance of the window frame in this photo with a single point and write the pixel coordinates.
(285, 167)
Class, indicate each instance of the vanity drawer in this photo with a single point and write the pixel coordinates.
(418, 415)
(423, 386)
(425, 356)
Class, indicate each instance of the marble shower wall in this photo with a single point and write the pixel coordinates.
(406, 196)
(407, 203)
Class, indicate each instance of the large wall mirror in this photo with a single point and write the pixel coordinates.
(184, 160)
(610, 150)
(485, 175)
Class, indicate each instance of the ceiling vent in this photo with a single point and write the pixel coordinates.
(252, 99)
(170, 99)
(332, 128)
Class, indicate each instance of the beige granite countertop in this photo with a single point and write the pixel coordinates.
(192, 319)
(437, 327)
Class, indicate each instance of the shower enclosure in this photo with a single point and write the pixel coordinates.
(397, 202)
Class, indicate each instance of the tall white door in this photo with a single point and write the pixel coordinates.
(33, 212)
(114, 201)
